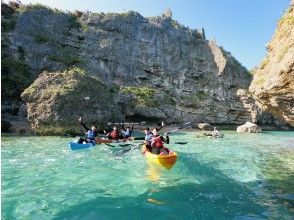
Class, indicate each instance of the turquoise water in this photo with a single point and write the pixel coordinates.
(240, 176)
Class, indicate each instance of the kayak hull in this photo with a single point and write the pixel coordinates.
(76, 146)
(107, 141)
(166, 161)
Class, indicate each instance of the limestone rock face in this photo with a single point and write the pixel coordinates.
(249, 127)
(55, 101)
(191, 78)
(273, 82)
(157, 68)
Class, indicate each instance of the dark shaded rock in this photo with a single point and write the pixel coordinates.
(23, 111)
(5, 125)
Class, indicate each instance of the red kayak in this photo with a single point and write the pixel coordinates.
(106, 141)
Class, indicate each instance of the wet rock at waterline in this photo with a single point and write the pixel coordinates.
(249, 127)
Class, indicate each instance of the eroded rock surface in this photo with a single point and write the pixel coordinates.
(273, 83)
(55, 101)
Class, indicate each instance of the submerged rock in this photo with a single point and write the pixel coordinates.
(55, 101)
(273, 84)
(249, 127)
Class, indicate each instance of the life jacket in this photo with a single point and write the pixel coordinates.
(126, 134)
(90, 135)
(114, 134)
(156, 141)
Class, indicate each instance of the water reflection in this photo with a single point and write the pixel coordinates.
(153, 172)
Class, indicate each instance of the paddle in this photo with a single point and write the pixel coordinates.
(181, 127)
(127, 123)
(181, 142)
(127, 150)
(109, 145)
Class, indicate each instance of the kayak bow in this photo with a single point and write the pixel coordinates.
(167, 161)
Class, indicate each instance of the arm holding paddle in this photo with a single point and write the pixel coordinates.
(161, 126)
(82, 123)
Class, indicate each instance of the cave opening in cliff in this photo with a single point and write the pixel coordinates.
(141, 118)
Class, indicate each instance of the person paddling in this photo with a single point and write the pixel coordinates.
(126, 132)
(215, 133)
(157, 143)
(149, 134)
(154, 142)
(114, 134)
(90, 134)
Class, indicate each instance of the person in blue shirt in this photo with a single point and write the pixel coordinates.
(126, 132)
(90, 133)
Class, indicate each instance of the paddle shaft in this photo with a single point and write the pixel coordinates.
(181, 127)
(127, 123)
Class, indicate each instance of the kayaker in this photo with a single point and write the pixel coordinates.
(90, 134)
(114, 134)
(157, 143)
(149, 134)
(126, 132)
(215, 132)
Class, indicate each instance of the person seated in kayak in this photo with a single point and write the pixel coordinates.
(90, 134)
(114, 134)
(149, 134)
(215, 132)
(157, 143)
(126, 132)
(154, 142)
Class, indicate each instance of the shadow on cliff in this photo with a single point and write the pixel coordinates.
(216, 196)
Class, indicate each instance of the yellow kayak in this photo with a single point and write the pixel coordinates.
(167, 161)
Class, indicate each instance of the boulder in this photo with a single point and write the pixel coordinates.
(249, 127)
(205, 126)
(55, 101)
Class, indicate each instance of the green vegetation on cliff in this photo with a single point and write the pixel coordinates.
(192, 100)
(144, 95)
(62, 88)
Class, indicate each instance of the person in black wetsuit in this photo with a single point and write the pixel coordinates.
(90, 134)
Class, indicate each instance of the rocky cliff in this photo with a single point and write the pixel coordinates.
(273, 82)
(55, 100)
(160, 69)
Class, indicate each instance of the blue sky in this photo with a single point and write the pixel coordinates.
(242, 27)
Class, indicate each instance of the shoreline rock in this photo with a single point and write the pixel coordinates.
(205, 126)
(249, 127)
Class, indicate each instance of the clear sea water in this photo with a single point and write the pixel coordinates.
(240, 176)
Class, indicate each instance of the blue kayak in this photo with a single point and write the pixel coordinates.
(76, 146)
